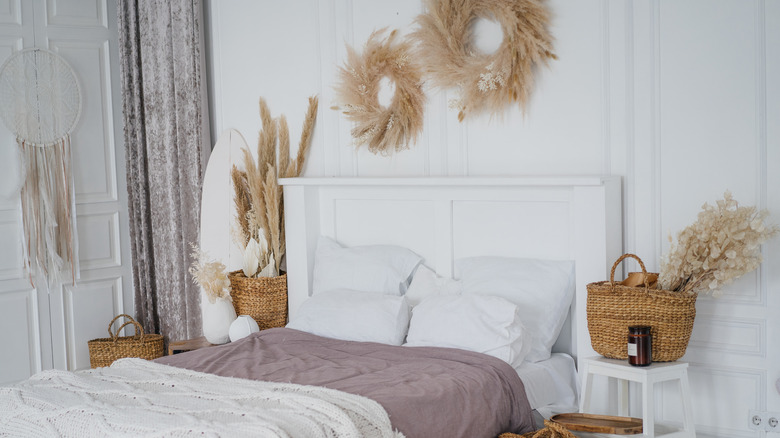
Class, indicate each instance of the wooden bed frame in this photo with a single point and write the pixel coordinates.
(443, 219)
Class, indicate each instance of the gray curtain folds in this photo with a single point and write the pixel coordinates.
(164, 134)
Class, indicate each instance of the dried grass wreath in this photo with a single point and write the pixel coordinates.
(488, 82)
(384, 129)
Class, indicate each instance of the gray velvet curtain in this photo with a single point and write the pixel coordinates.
(163, 101)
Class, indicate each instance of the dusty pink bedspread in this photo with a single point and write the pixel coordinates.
(428, 392)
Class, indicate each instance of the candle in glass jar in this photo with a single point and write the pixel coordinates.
(640, 345)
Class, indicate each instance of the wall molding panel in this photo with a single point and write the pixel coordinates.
(99, 240)
(12, 13)
(19, 309)
(103, 298)
(98, 140)
(11, 263)
(739, 385)
(92, 13)
(730, 335)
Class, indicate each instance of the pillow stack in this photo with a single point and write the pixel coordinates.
(541, 289)
(357, 293)
(482, 323)
(510, 308)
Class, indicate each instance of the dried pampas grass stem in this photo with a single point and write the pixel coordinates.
(257, 196)
(384, 129)
(488, 82)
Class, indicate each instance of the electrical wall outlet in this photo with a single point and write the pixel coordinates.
(756, 420)
(771, 424)
(762, 420)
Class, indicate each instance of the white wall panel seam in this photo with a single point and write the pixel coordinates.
(761, 128)
(629, 181)
(655, 174)
(606, 74)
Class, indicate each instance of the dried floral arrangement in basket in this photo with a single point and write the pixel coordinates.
(723, 244)
(259, 288)
(720, 246)
(259, 229)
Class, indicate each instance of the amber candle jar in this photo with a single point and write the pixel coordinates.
(640, 346)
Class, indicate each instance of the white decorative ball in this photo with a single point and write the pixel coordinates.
(242, 327)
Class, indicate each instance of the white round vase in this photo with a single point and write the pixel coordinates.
(216, 318)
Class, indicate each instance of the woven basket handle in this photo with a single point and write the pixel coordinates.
(115, 336)
(623, 257)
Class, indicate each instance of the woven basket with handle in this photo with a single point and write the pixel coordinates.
(104, 351)
(262, 298)
(613, 307)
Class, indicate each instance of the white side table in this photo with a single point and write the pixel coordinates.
(647, 376)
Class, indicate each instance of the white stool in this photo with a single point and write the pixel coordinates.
(647, 376)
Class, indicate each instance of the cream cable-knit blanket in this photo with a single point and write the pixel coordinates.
(135, 397)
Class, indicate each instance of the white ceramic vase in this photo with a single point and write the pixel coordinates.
(216, 318)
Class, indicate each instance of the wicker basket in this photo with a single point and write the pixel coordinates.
(262, 298)
(612, 308)
(104, 351)
(551, 430)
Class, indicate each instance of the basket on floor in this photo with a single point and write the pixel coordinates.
(551, 430)
(612, 308)
(262, 298)
(104, 351)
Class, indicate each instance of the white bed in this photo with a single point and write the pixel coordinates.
(444, 219)
(379, 386)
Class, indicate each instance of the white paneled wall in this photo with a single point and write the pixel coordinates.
(51, 326)
(679, 97)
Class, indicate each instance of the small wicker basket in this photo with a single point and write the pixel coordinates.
(104, 351)
(612, 307)
(551, 430)
(262, 298)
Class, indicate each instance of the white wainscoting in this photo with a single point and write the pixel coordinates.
(51, 327)
(678, 97)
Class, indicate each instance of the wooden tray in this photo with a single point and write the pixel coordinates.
(599, 423)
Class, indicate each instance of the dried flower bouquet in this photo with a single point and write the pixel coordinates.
(211, 275)
(721, 246)
(258, 200)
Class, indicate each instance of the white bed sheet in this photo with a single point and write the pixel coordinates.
(551, 385)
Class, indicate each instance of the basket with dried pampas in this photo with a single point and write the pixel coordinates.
(259, 289)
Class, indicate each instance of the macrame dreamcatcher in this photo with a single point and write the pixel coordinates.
(41, 103)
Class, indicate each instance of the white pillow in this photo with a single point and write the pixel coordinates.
(354, 316)
(485, 324)
(373, 268)
(426, 283)
(543, 290)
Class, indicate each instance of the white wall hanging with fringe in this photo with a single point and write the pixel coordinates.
(41, 104)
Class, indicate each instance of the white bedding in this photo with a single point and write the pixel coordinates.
(135, 397)
(551, 385)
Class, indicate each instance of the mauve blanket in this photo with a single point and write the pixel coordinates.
(427, 391)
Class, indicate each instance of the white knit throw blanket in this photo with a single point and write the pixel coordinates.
(135, 397)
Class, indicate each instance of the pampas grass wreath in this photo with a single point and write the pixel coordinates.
(384, 129)
(487, 82)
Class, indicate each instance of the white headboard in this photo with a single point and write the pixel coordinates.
(443, 219)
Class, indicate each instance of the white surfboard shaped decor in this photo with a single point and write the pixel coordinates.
(217, 213)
